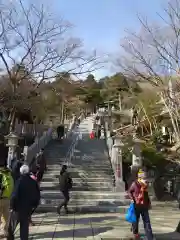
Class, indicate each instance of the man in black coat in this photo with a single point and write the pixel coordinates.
(65, 183)
(25, 198)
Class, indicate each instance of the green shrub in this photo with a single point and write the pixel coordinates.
(153, 158)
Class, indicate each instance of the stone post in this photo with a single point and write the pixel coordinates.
(117, 165)
(136, 155)
(24, 128)
(25, 154)
(12, 139)
(102, 133)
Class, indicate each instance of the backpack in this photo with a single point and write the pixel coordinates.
(70, 183)
(7, 185)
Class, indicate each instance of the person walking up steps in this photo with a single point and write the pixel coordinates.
(65, 183)
(138, 192)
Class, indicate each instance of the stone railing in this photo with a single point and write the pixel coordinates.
(70, 153)
(31, 151)
(71, 127)
(29, 129)
(115, 154)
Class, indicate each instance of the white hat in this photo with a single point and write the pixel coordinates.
(24, 169)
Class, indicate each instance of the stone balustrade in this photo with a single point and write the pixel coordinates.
(31, 151)
(114, 146)
(40, 142)
(29, 129)
(70, 153)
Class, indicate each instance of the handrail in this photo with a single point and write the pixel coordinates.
(70, 153)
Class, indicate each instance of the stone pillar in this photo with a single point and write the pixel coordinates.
(117, 163)
(24, 128)
(25, 154)
(102, 133)
(136, 154)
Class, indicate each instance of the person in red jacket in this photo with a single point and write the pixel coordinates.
(138, 192)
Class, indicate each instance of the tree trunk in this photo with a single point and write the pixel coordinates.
(62, 112)
(120, 103)
(12, 119)
(12, 116)
(149, 121)
(175, 128)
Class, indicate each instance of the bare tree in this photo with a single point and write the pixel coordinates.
(153, 55)
(30, 39)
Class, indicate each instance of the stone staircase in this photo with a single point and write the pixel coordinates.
(93, 181)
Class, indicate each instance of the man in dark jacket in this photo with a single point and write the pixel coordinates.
(25, 198)
(60, 131)
(65, 183)
(41, 165)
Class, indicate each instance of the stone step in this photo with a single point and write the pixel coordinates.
(92, 202)
(80, 167)
(55, 178)
(77, 188)
(81, 171)
(84, 209)
(55, 194)
(87, 175)
(78, 183)
(58, 160)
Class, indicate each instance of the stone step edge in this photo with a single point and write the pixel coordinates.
(74, 189)
(86, 209)
(81, 193)
(80, 180)
(96, 200)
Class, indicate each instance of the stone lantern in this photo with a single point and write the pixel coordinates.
(117, 164)
(12, 143)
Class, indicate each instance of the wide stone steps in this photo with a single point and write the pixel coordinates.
(91, 171)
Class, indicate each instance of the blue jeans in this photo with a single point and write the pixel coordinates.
(144, 213)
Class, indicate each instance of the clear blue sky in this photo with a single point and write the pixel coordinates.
(101, 23)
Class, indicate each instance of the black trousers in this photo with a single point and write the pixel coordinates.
(24, 225)
(22, 218)
(65, 201)
(144, 213)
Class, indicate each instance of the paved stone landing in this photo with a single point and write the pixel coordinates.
(102, 226)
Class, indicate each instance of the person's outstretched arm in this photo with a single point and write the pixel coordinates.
(15, 196)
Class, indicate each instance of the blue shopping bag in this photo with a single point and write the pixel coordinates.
(130, 214)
